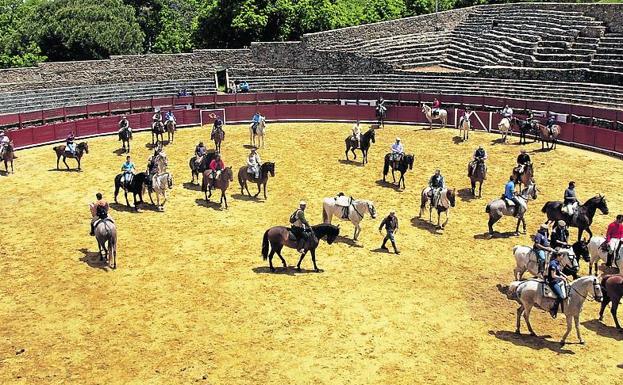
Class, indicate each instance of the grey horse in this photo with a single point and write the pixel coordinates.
(106, 236)
(498, 208)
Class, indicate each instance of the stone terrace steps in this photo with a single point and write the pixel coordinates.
(609, 53)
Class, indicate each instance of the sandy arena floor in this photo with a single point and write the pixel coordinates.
(192, 302)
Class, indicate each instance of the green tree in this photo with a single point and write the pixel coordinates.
(86, 29)
(17, 48)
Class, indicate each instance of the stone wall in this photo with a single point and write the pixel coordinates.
(560, 75)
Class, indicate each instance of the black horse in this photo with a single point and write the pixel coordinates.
(580, 250)
(366, 138)
(279, 236)
(195, 169)
(136, 187)
(582, 219)
(157, 131)
(125, 136)
(405, 163)
(525, 127)
(380, 116)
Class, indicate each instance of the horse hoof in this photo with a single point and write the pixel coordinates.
(517, 332)
(533, 334)
(582, 342)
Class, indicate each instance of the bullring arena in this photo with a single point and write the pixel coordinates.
(192, 301)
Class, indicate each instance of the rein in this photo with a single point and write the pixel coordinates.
(357, 211)
(585, 296)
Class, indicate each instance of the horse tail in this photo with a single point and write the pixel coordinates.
(515, 249)
(240, 181)
(325, 216)
(386, 165)
(488, 209)
(265, 246)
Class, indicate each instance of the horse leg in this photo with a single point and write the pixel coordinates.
(313, 254)
(127, 203)
(613, 311)
(247, 187)
(473, 182)
(569, 326)
(526, 315)
(65, 161)
(604, 303)
(298, 265)
(393, 175)
(480, 189)
(357, 231)
(492, 221)
(577, 328)
(270, 259)
(265, 183)
(224, 197)
(519, 313)
(447, 218)
(150, 198)
(283, 261)
(259, 190)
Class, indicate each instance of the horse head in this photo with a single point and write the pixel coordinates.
(228, 173)
(580, 248)
(409, 160)
(170, 180)
(332, 233)
(371, 209)
(451, 194)
(425, 108)
(602, 204)
(268, 168)
(372, 133)
(84, 146)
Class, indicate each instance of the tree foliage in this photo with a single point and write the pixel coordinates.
(17, 48)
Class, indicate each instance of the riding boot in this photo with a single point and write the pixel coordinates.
(541, 268)
(383, 247)
(609, 259)
(396, 251)
(554, 310)
(92, 233)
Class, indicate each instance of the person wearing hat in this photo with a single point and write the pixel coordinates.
(300, 227)
(614, 234)
(509, 194)
(124, 125)
(391, 227)
(436, 183)
(523, 160)
(507, 112)
(218, 125)
(570, 203)
(398, 151)
(541, 247)
(480, 155)
(527, 126)
(254, 163)
(560, 235)
(216, 166)
(200, 151)
(357, 133)
(157, 117)
(467, 114)
(554, 279)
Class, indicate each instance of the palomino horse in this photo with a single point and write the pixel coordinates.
(498, 208)
(162, 162)
(612, 287)
(7, 155)
(136, 187)
(160, 184)
(218, 136)
(447, 199)
(505, 127)
(221, 183)
(258, 130)
(356, 211)
(125, 136)
(465, 126)
(106, 237)
(549, 136)
(525, 178)
(266, 169)
(583, 217)
(366, 138)
(477, 174)
(170, 126)
(81, 149)
(442, 116)
(157, 130)
(279, 236)
(526, 260)
(404, 164)
(530, 293)
(196, 169)
(597, 253)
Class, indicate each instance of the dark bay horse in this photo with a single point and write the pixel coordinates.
(81, 149)
(8, 154)
(125, 136)
(267, 169)
(548, 136)
(106, 236)
(584, 216)
(477, 174)
(196, 169)
(612, 289)
(279, 236)
(136, 187)
(221, 183)
(406, 163)
(170, 126)
(157, 130)
(366, 138)
(524, 127)
(218, 136)
(525, 178)
(381, 115)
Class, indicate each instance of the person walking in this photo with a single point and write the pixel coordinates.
(391, 227)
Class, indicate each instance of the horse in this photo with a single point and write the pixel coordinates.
(477, 174)
(525, 178)
(524, 127)
(218, 136)
(530, 293)
(196, 169)
(526, 260)
(221, 183)
(380, 116)
(405, 163)
(266, 169)
(8, 154)
(583, 217)
(549, 136)
(596, 253)
(125, 136)
(170, 126)
(258, 130)
(279, 236)
(136, 187)
(160, 183)
(447, 199)
(465, 126)
(366, 138)
(442, 116)
(81, 149)
(106, 236)
(157, 130)
(504, 127)
(498, 208)
(612, 288)
(357, 209)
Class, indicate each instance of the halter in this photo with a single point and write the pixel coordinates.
(357, 211)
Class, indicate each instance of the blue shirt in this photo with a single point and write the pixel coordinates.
(554, 267)
(127, 166)
(509, 190)
(256, 118)
(540, 239)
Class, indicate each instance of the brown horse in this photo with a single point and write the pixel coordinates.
(170, 126)
(526, 178)
(477, 174)
(218, 136)
(157, 130)
(279, 236)
(221, 183)
(548, 136)
(267, 169)
(81, 149)
(612, 288)
(8, 154)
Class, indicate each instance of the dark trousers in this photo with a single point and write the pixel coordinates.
(301, 236)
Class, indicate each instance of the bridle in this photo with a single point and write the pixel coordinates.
(595, 284)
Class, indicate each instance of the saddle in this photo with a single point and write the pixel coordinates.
(549, 293)
(344, 202)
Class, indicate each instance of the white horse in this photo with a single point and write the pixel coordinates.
(530, 293)
(357, 209)
(443, 116)
(504, 127)
(465, 126)
(260, 132)
(160, 184)
(596, 253)
(525, 259)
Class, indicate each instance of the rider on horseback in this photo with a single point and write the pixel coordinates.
(523, 160)
(560, 235)
(200, 151)
(507, 112)
(128, 170)
(479, 157)
(436, 184)
(467, 114)
(436, 107)
(551, 120)
(555, 277)
(614, 234)
(99, 212)
(216, 166)
(218, 124)
(380, 107)
(570, 203)
(253, 163)
(152, 168)
(541, 246)
(170, 117)
(509, 194)
(70, 145)
(397, 152)
(4, 142)
(124, 125)
(300, 227)
(357, 133)
(157, 117)
(255, 121)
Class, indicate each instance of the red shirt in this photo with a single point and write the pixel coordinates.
(615, 230)
(216, 165)
(436, 104)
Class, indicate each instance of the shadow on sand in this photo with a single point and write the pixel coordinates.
(496, 235)
(385, 184)
(351, 162)
(423, 224)
(290, 270)
(604, 330)
(247, 198)
(92, 259)
(347, 241)
(64, 170)
(120, 151)
(458, 140)
(209, 204)
(466, 194)
(533, 342)
(191, 186)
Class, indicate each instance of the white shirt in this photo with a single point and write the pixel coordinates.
(397, 148)
(507, 112)
(253, 160)
(5, 140)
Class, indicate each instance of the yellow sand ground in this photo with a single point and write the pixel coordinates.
(192, 302)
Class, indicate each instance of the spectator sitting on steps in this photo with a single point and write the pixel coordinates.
(244, 86)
